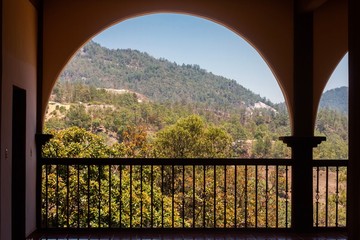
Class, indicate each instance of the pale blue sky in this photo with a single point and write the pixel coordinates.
(192, 40)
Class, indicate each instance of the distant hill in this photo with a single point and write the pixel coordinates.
(333, 99)
(157, 79)
(336, 99)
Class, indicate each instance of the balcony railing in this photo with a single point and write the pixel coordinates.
(329, 193)
(183, 193)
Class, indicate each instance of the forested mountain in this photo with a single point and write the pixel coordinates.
(333, 100)
(114, 93)
(158, 79)
(336, 99)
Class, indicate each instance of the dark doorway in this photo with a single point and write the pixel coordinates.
(18, 163)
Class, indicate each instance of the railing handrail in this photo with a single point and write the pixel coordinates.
(166, 161)
(330, 163)
(187, 161)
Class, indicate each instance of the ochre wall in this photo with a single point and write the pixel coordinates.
(19, 55)
(330, 42)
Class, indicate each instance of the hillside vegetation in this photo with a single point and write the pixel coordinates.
(253, 132)
(158, 79)
(111, 92)
(336, 99)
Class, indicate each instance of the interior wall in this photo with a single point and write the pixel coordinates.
(19, 57)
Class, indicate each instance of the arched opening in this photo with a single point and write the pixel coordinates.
(332, 115)
(248, 24)
(149, 113)
(330, 183)
(253, 121)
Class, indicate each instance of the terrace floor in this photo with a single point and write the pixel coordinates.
(105, 234)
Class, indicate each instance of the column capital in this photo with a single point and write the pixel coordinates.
(308, 141)
(41, 138)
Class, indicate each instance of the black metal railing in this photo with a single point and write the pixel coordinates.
(165, 193)
(183, 193)
(329, 192)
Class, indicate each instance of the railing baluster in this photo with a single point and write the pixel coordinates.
(214, 196)
(172, 195)
(152, 195)
(266, 195)
(246, 195)
(141, 196)
(57, 196)
(204, 194)
(109, 224)
(99, 197)
(327, 197)
(235, 196)
(131, 196)
(256, 196)
(183, 196)
(88, 196)
(67, 196)
(337, 198)
(120, 196)
(47, 196)
(78, 195)
(317, 197)
(225, 195)
(193, 196)
(277, 196)
(286, 196)
(162, 196)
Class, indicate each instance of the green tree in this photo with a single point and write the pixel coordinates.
(133, 144)
(190, 137)
(75, 142)
(77, 116)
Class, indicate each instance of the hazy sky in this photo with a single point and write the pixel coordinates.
(192, 40)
